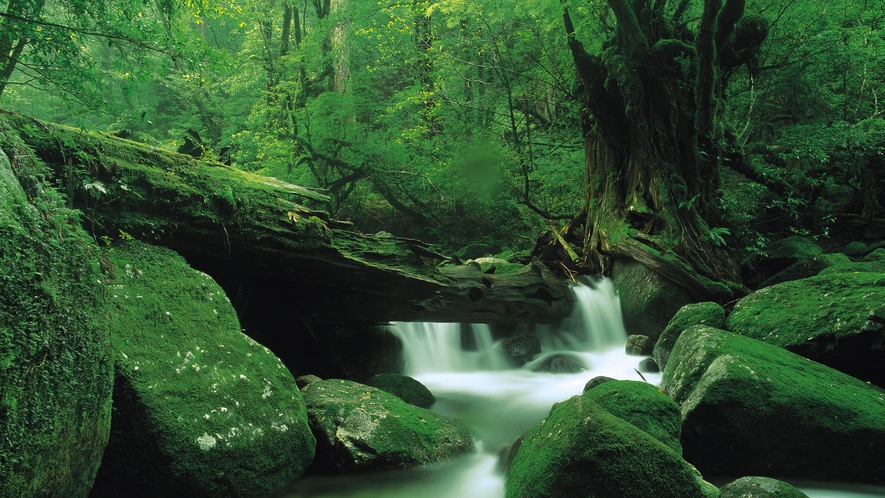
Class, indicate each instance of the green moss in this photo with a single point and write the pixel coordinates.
(360, 427)
(706, 313)
(201, 409)
(55, 368)
(643, 405)
(403, 387)
(581, 450)
(749, 407)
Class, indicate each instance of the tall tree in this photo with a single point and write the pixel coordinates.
(654, 137)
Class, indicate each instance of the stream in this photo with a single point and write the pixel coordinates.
(499, 402)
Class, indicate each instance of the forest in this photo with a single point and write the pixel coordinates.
(477, 126)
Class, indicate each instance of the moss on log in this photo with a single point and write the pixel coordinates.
(224, 219)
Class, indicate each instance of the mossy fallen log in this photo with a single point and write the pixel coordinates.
(229, 221)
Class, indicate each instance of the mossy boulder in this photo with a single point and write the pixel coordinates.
(782, 253)
(643, 405)
(855, 267)
(855, 249)
(875, 255)
(806, 267)
(55, 356)
(360, 427)
(836, 319)
(581, 451)
(759, 487)
(200, 409)
(706, 313)
(648, 300)
(750, 408)
(403, 387)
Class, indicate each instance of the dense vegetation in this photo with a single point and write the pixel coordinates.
(466, 122)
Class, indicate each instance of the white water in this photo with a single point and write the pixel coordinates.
(499, 402)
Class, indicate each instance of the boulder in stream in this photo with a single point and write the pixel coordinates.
(750, 408)
(403, 387)
(360, 427)
(582, 450)
(643, 405)
(706, 313)
(648, 299)
(759, 487)
(521, 349)
(836, 319)
(200, 409)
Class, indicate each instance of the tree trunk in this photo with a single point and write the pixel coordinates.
(652, 134)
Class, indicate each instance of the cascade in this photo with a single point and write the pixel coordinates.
(498, 402)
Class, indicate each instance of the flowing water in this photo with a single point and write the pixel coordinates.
(499, 402)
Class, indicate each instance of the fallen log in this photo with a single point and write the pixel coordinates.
(227, 222)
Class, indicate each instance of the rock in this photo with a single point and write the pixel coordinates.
(559, 363)
(855, 250)
(521, 349)
(595, 381)
(750, 408)
(784, 252)
(56, 372)
(581, 450)
(806, 267)
(359, 427)
(403, 387)
(639, 345)
(706, 313)
(837, 320)
(759, 487)
(643, 405)
(876, 255)
(199, 408)
(648, 300)
(478, 250)
(649, 365)
(856, 267)
(303, 381)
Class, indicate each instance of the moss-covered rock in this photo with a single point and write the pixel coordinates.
(855, 249)
(643, 405)
(521, 349)
(705, 313)
(759, 487)
(648, 300)
(403, 387)
(581, 450)
(639, 345)
(877, 254)
(855, 267)
(360, 427)
(55, 356)
(750, 408)
(784, 252)
(806, 267)
(836, 319)
(199, 408)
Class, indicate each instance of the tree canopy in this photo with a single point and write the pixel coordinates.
(701, 129)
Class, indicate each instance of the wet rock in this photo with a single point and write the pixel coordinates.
(200, 409)
(643, 405)
(559, 363)
(836, 319)
(581, 449)
(359, 427)
(403, 387)
(750, 408)
(595, 381)
(521, 349)
(56, 372)
(639, 345)
(706, 313)
(303, 381)
(759, 487)
(648, 365)
(648, 300)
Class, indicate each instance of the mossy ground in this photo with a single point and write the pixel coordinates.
(55, 366)
(202, 409)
